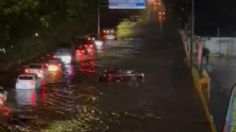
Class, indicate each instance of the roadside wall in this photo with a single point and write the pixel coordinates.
(220, 46)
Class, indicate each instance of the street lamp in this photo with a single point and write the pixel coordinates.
(99, 18)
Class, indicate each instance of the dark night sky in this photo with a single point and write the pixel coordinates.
(211, 14)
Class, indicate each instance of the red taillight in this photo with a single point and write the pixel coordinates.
(2, 99)
(26, 71)
(90, 46)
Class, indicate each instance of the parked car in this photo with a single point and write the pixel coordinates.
(120, 75)
(28, 81)
(37, 68)
(3, 95)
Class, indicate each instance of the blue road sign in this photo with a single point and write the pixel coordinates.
(126, 4)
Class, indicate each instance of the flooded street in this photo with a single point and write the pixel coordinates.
(77, 101)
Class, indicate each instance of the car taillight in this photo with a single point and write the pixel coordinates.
(90, 46)
(26, 70)
(1, 100)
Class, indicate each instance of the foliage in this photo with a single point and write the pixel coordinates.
(19, 18)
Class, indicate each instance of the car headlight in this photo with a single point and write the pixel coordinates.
(52, 68)
(66, 59)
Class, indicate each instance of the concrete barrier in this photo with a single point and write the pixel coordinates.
(204, 85)
(201, 84)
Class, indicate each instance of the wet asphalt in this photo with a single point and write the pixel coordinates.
(222, 74)
(75, 101)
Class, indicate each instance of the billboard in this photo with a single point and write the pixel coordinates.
(126, 4)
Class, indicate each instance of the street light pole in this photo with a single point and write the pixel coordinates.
(192, 31)
(193, 16)
(98, 26)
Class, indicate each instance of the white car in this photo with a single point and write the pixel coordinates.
(64, 54)
(38, 69)
(3, 95)
(28, 81)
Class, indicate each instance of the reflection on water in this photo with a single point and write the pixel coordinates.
(30, 97)
(26, 97)
(99, 50)
(69, 69)
(99, 46)
(87, 66)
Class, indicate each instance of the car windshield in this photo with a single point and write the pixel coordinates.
(53, 62)
(35, 66)
(26, 77)
(62, 50)
(93, 36)
(111, 71)
(126, 71)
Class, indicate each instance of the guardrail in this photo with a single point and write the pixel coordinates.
(201, 83)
